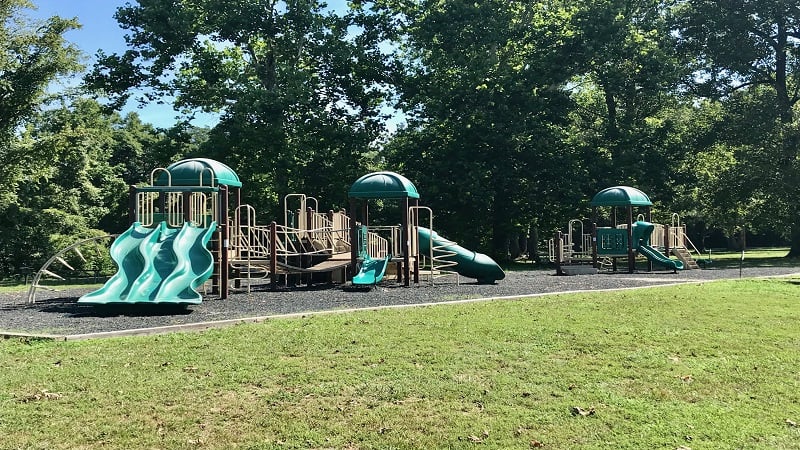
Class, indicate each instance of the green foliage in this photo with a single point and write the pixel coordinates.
(91, 157)
(299, 89)
(79, 140)
(627, 117)
(31, 56)
(746, 55)
(485, 105)
(744, 43)
(31, 236)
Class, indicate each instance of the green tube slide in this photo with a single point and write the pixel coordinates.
(467, 263)
(157, 265)
(641, 235)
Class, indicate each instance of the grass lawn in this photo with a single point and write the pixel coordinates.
(12, 286)
(753, 257)
(701, 366)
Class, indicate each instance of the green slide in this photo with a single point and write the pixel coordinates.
(468, 263)
(157, 265)
(641, 234)
(372, 271)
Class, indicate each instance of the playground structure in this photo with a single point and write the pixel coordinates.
(579, 251)
(191, 235)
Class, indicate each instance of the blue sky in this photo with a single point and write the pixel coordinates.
(100, 31)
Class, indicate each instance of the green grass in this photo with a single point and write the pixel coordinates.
(14, 286)
(6, 287)
(761, 256)
(753, 257)
(705, 366)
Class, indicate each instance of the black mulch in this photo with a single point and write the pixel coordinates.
(59, 313)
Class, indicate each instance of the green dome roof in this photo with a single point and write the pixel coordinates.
(383, 185)
(187, 172)
(621, 196)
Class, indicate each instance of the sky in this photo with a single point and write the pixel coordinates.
(100, 31)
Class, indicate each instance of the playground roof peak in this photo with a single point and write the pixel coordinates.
(383, 185)
(188, 172)
(621, 196)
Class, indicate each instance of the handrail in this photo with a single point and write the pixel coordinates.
(686, 239)
(570, 244)
(153, 172)
(551, 250)
(676, 220)
(202, 172)
(301, 218)
(568, 250)
(316, 203)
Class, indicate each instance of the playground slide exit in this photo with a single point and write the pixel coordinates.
(642, 231)
(372, 271)
(468, 263)
(157, 265)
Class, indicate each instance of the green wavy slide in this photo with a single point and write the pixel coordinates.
(157, 265)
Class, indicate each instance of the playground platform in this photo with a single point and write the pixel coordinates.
(58, 315)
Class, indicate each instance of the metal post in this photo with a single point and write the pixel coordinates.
(557, 238)
(631, 260)
(415, 238)
(406, 245)
(225, 235)
(273, 257)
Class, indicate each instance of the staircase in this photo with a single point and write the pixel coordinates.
(685, 257)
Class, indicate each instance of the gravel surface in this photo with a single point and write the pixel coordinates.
(59, 314)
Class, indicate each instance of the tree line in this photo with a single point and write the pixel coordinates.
(508, 116)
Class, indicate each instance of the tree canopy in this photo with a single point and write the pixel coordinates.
(511, 114)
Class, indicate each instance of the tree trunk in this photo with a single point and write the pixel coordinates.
(611, 112)
(794, 249)
(781, 89)
(513, 247)
(533, 245)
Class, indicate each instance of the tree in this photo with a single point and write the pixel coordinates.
(299, 89)
(485, 101)
(32, 55)
(627, 101)
(748, 46)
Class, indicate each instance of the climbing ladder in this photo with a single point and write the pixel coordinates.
(440, 258)
(680, 244)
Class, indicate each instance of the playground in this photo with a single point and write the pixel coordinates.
(191, 238)
(586, 246)
(195, 256)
